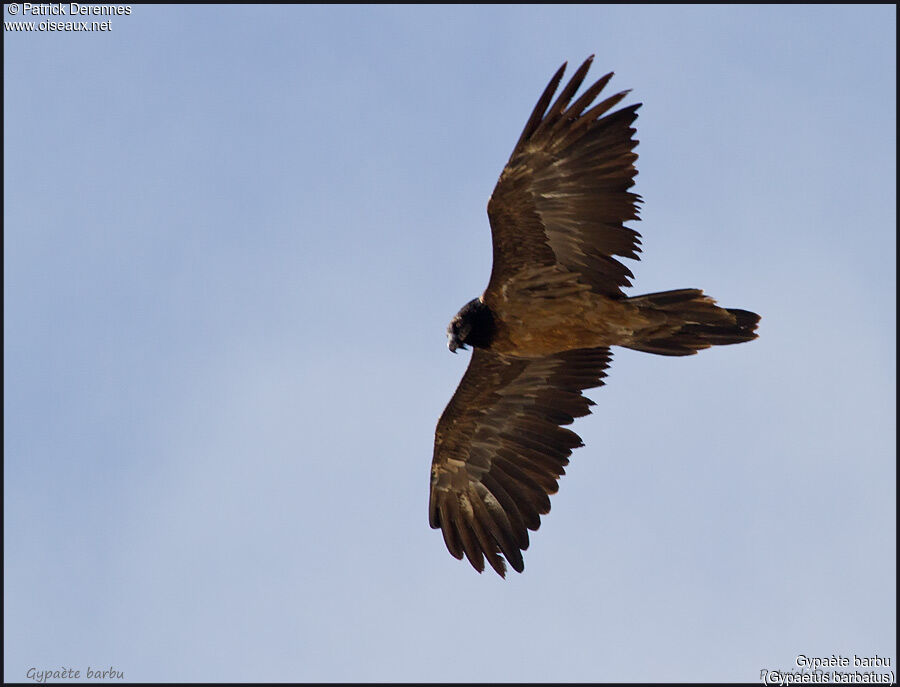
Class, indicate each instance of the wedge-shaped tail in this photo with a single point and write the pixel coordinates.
(687, 320)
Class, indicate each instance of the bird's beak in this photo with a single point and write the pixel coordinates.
(453, 344)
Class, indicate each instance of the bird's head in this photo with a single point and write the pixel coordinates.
(472, 325)
(457, 332)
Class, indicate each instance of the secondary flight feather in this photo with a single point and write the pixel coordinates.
(542, 330)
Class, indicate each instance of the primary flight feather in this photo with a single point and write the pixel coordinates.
(542, 329)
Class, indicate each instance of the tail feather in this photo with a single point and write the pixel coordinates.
(686, 321)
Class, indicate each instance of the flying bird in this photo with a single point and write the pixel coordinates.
(541, 332)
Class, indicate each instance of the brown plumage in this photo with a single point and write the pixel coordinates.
(541, 331)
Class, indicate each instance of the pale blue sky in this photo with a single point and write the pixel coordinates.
(233, 239)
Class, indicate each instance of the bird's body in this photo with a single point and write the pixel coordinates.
(566, 315)
(543, 327)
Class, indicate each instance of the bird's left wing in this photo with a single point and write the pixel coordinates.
(563, 197)
(500, 448)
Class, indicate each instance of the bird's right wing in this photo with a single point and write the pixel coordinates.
(499, 449)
